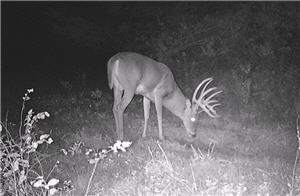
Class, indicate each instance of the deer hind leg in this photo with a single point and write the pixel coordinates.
(146, 103)
(116, 110)
(158, 106)
(121, 105)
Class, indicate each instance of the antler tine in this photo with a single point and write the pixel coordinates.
(217, 104)
(199, 86)
(211, 96)
(212, 101)
(211, 108)
(204, 91)
(205, 103)
(211, 111)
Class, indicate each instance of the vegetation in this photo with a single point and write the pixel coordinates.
(80, 164)
(251, 50)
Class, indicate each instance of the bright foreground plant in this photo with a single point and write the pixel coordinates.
(18, 157)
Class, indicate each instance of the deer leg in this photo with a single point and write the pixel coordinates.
(146, 103)
(116, 110)
(158, 106)
(126, 99)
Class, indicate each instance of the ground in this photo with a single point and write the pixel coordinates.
(227, 157)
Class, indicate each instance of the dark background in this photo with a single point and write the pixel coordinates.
(46, 42)
(251, 48)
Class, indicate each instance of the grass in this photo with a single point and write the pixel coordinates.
(226, 157)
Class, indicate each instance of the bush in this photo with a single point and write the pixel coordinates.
(19, 158)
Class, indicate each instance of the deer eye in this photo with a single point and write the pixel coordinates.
(193, 119)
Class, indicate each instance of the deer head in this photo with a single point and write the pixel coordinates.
(204, 102)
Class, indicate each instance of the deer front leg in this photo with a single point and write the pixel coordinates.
(146, 103)
(158, 106)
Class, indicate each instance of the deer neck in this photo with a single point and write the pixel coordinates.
(176, 103)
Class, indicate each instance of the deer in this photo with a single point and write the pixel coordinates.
(130, 74)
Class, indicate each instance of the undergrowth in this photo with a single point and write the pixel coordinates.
(148, 167)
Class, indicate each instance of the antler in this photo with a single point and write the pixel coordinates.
(205, 103)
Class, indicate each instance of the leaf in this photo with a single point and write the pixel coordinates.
(44, 136)
(22, 177)
(49, 141)
(16, 165)
(53, 182)
(35, 145)
(64, 151)
(39, 183)
(104, 151)
(126, 144)
(7, 174)
(47, 114)
(114, 148)
(52, 191)
(24, 163)
(14, 155)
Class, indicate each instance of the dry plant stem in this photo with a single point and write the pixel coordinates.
(90, 180)
(150, 152)
(6, 119)
(40, 164)
(51, 171)
(297, 154)
(21, 121)
(15, 183)
(170, 165)
(294, 170)
(194, 183)
(11, 163)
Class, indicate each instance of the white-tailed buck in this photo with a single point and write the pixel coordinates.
(131, 73)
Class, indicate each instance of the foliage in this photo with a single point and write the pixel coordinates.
(250, 50)
(165, 172)
(95, 155)
(19, 156)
